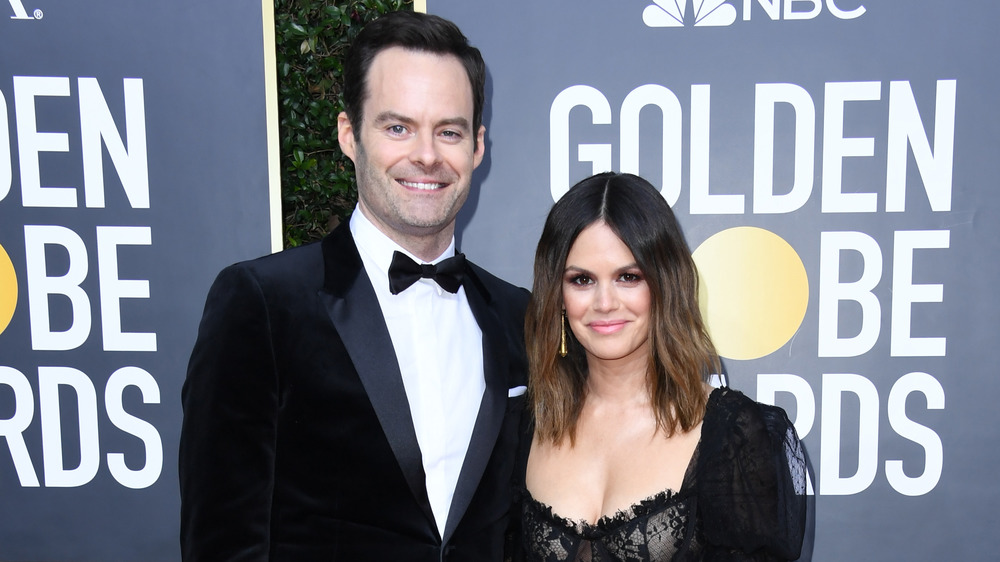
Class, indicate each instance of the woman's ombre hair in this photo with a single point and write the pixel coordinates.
(682, 355)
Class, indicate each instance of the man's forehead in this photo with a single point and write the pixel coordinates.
(403, 75)
(395, 59)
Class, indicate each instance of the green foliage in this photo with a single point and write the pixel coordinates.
(318, 188)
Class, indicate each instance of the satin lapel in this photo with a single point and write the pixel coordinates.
(354, 310)
(493, 406)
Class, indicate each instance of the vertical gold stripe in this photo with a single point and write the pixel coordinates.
(271, 119)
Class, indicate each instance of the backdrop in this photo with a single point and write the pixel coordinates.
(133, 166)
(833, 163)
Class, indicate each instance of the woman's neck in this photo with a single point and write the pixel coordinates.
(623, 381)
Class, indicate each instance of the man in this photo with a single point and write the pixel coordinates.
(333, 414)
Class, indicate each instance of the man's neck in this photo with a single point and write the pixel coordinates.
(425, 245)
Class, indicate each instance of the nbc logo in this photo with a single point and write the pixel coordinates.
(721, 13)
(671, 13)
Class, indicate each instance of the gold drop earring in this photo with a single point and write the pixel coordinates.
(563, 350)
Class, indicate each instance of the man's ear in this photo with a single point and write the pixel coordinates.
(345, 135)
(480, 146)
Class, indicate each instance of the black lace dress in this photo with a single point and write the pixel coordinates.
(743, 498)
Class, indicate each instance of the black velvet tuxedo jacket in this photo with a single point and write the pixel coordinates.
(297, 442)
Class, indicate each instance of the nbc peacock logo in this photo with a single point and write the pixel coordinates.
(675, 13)
(721, 13)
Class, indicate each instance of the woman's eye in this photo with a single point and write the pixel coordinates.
(631, 277)
(579, 280)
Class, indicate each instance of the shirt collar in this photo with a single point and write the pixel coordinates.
(378, 248)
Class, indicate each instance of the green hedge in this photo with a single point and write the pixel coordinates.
(317, 181)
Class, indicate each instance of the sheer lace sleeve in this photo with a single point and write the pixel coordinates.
(751, 482)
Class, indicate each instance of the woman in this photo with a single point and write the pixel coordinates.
(633, 455)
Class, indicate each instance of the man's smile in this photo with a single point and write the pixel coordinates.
(423, 186)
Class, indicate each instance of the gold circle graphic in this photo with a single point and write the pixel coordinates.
(8, 290)
(754, 291)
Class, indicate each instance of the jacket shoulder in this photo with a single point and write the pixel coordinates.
(500, 290)
(294, 269)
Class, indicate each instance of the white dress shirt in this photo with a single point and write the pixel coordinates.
(439, 347)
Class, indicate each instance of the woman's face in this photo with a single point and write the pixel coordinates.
(606, 297)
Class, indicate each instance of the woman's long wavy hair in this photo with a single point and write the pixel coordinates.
(682, 355)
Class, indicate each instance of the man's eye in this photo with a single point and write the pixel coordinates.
(397, 129)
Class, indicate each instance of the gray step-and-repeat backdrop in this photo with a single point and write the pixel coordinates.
(833, 162)
(133, 166)
(835, 166)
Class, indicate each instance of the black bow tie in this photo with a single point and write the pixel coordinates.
(404, 272)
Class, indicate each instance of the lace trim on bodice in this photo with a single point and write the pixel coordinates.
(655, 529)
(606, 524)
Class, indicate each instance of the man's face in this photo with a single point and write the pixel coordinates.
(416, 150)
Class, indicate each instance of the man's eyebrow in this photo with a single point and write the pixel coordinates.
(460, 122)
(392, 116)
(387, 116)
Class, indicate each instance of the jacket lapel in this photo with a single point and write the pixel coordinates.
(353, 307)
(493, 406)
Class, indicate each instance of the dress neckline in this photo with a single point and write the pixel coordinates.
(608, 523)
(649, 504)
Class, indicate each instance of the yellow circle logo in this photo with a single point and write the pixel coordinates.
(754, 291)
(8, 290)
